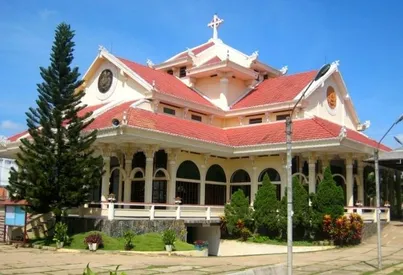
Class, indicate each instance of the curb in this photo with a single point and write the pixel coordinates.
(278, 269)
(189, 253)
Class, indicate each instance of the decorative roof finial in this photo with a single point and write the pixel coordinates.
(150, 63)
(284, 70)
(214, 24)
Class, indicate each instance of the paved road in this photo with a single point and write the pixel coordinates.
(355, 260)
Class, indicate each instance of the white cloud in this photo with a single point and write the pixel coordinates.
(9, 125)
(45, 14)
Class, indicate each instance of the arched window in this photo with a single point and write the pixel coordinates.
(216, 173)
(272, 173)
(188, 182)
(240, 175)
(160, 180)
(215, 186)
(274, 177)
(188, 170)
(137, 185)
(240, 179)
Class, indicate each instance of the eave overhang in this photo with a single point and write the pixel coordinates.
(225, 66)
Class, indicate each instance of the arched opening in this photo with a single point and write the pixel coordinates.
(116, 179)
(188, 182)
(240, 179)
(160, 181)
(369, 186)
(137, 186)
(341, 181)
(275, 179)
(215, 186)
(303, 180)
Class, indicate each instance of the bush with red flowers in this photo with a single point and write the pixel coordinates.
(345, 230)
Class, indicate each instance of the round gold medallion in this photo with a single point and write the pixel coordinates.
(105, 81)
(331, 97)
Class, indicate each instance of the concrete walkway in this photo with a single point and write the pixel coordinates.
(355, 260)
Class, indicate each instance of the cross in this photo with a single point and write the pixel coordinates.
(214, 25)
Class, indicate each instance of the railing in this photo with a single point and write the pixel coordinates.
(150, 211)
(368, 214)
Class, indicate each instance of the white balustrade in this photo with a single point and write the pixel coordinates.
(368, 214)
(150, 211)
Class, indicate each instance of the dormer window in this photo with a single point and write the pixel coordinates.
(171, 72)
(255, 120)
(182, 72)
(196, 117)
(169, 111)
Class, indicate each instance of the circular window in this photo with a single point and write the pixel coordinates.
(331, 97)
(105, 81)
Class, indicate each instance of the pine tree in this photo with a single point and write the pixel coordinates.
(329, 199)
(56, 166)
(238, 212)
(266, 207)
(302, 212)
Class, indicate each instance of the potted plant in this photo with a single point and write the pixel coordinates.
(200, 245)
(60, 236)
(169, 237)
(93, 240)
(129, 236)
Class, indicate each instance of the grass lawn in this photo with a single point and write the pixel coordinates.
(145, 242)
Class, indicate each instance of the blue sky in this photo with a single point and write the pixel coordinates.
(366, 36)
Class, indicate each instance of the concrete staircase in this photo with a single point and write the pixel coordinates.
(40, 225)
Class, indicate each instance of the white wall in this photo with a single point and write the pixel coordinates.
(318, 105)
(122, 87)
(212, 234)
(5, 166)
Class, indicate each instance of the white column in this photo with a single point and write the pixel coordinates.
(148, 189)
(284, 175)
(128, 180)
(254, 184)
(349, 181)
(325, 162)
(312, 173)
(172, 178)
(202, 199)
(360, 187)
(224, 88)
(105, 180)
(121, 178)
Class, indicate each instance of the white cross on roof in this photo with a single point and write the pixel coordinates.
(214, 24)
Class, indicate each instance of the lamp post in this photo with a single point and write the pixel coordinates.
(377, 187)
(288, 124)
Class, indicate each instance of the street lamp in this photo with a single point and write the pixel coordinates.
(377, 187)
(288, 124)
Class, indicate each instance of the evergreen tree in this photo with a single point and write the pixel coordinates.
(302, 212)
(266, 207)
(238, 213)
(329, 200)
(56, 166)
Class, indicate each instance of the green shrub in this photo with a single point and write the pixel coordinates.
(169, 237)
(61, 233)
(238, 210)
(266, 207)
(129, 236)
(329, 200)
(302, 212)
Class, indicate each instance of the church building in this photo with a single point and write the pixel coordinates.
(211, 120)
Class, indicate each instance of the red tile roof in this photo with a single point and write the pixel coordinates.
(275, 90)
(267, 133)
(81, 113)
(213, 60)
(166, 83)
(196, 50)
